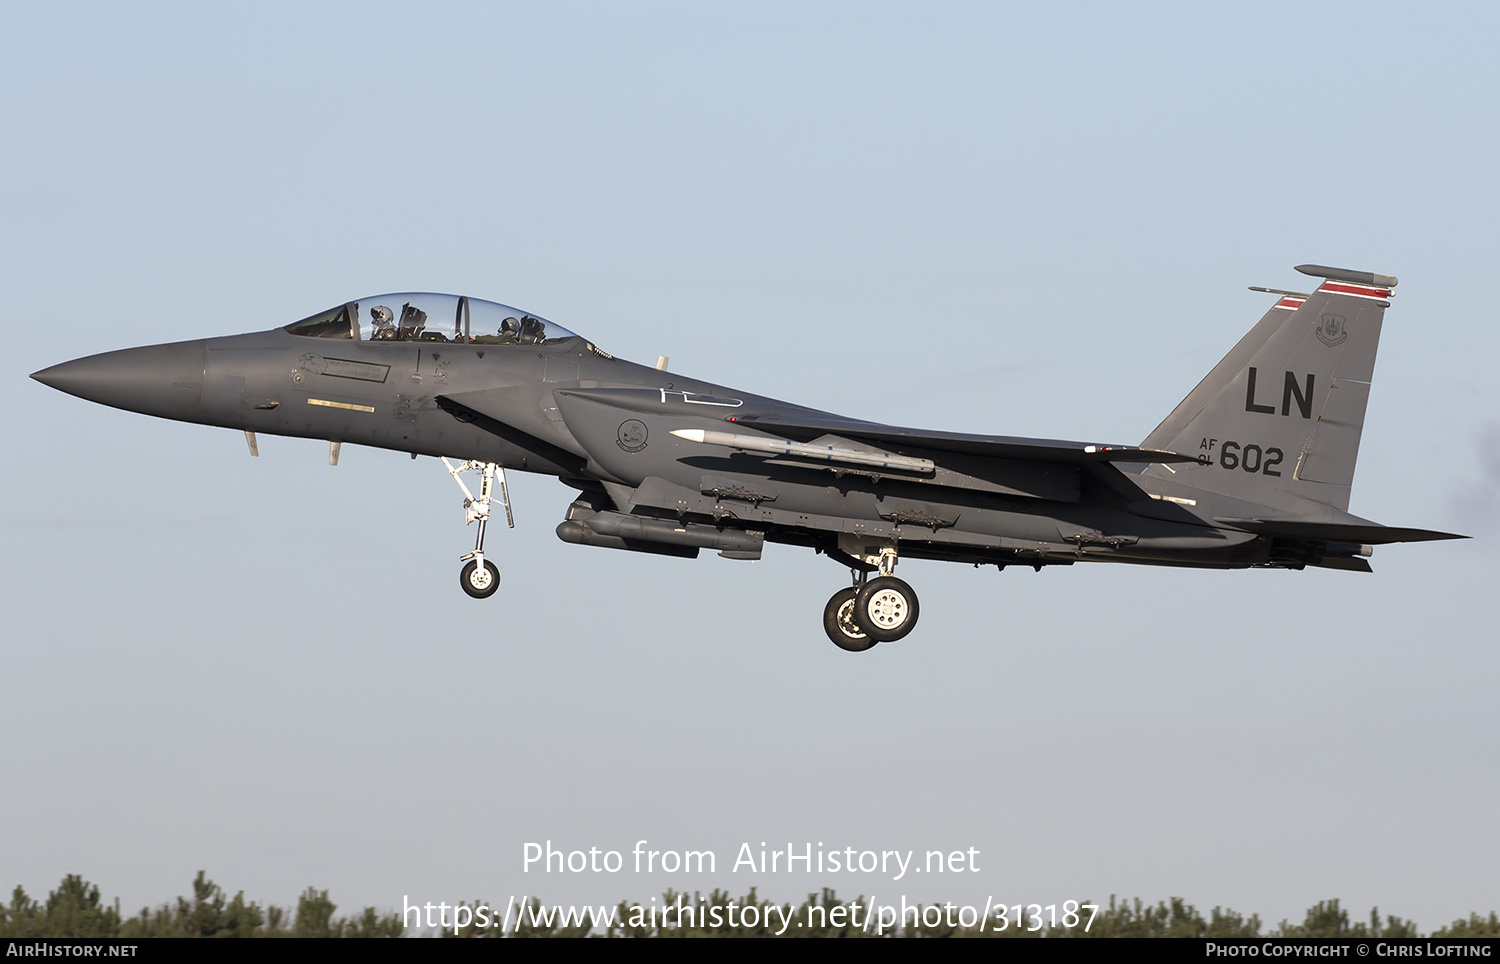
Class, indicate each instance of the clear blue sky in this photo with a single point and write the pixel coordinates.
(1007, 218)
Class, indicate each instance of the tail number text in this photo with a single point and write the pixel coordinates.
(1251, 458)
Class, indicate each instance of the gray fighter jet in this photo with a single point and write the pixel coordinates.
(1254, 468)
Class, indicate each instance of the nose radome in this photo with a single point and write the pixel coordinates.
(161, 380)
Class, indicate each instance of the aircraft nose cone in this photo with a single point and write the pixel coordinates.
(162, 380)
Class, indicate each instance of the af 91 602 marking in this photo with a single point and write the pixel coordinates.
(1251, 458)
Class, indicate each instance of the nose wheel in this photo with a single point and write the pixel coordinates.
(479, 581)
(480, 577)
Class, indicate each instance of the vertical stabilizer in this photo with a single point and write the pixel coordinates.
(1279, 418)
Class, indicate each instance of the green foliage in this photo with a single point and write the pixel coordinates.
(74, 909)
(370, 923)
(19, 917)
(1475, 926)
(208, 914)
(1327, 919)
(1174, 918)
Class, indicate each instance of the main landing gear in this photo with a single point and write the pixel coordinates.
(479, 577)
(879, 610)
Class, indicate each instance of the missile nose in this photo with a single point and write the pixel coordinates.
(53, 377)
(162, 380)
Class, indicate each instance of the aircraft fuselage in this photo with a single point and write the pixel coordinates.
(667, 464)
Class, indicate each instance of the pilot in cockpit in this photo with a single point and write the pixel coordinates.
(510, 331)
(384, 321)
(533, 332)
(413, 320)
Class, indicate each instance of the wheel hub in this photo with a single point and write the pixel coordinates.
(846, 621)
(887, 609)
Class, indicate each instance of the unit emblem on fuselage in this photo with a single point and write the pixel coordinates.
(632, 435)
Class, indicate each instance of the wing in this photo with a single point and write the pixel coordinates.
(806, 429)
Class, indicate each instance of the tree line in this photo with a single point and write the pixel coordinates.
(75, 909)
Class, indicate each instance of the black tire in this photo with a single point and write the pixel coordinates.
(480, 585)
(838, 623)
(886, 609)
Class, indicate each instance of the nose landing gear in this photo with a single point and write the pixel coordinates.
(480, 577)
(479, 581)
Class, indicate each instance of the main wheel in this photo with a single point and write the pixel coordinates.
(477, 582)
(838, 623)
(886, 609)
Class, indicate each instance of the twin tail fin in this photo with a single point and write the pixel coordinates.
(1278, 421)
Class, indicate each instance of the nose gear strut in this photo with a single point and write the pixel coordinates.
(480, 577)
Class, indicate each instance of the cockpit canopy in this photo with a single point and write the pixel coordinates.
(424, 316)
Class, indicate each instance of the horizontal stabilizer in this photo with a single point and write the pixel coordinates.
(1372, 534)
(986, 446)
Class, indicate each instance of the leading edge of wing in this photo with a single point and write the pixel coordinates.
(806, 429)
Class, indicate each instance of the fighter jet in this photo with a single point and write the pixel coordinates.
(1252, 469)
